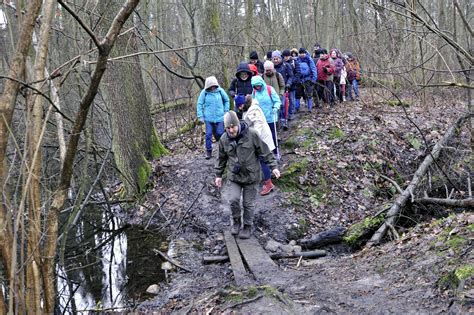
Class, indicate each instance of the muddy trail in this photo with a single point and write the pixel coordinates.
(331, 163)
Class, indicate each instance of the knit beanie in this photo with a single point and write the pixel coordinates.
(239, 100)
(286, 53)
(277, 53)
(268, 65)
(269, 54)
(253, 55)
(231, 119)
(302, 50)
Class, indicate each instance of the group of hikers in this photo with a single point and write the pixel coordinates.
(266, 96)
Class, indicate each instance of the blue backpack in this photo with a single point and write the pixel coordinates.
(304, 69)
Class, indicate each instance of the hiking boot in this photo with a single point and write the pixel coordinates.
(267, 187)
(208, 155)
(234, 230)
(245, 232)
(285, 125)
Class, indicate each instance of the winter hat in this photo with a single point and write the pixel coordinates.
(210, 81)
(231, 119)
(268, 65)
(277, 53)
(286, 53)
(302, 50)
(269, 54)
(253, 55)
(253, 69)
(317, 46)
(239, 100)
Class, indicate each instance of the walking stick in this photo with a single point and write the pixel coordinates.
(275, 118)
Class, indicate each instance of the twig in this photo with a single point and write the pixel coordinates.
(394, 183)
(244, 302)
(189, 208)
(171, 260)
(158, 208)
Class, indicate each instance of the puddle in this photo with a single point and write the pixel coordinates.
(107, 265)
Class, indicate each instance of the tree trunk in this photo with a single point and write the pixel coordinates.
(134, 139)
(7, 105)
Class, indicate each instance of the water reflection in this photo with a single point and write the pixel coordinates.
(108, 265)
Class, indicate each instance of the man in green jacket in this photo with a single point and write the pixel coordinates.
(239, 150)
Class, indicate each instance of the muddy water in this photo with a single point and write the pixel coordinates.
(107, 265)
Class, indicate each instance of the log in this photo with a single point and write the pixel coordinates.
(308, 254)
(395, 210)
(214, 259)
(461, 203)
(324, 238)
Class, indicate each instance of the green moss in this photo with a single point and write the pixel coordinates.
(336, 133)
(415, 143)
(448, 281)
(289, 143)
(470, 227)
(456, 242)
(288, 180)
(355, 234)
(394, 103)
(464, 272)
(252, 292)
(157, 148)
(144, 172)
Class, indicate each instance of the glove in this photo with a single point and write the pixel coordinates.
(232, 93)
(201, 120)
(275, 110)
(287, 88)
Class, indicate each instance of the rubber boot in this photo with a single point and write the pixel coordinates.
(297, 105)
(234, 230)
(310, 105)
(208, 155)
(245, 232)
(267, 187)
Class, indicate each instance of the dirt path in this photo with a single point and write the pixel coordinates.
(397, 277)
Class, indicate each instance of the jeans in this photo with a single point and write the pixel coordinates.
(355, 86)
(249, 193)
(213, 128)
(267, 172)
(292, 109)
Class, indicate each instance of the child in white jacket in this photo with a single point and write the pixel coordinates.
(342, 83)
(254, 117)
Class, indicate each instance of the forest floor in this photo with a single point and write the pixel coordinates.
(332, 161)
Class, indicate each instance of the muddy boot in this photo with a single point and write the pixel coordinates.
(234, 230)
(208, 155)
(245, 232)
(267, 187)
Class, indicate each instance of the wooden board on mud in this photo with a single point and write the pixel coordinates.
(240, 274)
(259, 262)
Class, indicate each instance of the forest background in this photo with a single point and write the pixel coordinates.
(87, 88)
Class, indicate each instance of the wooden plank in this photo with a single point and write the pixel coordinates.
(240, 274)
(259, 262)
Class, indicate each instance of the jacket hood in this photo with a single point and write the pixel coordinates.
(210, 81)
(258, 80)
(243, 67)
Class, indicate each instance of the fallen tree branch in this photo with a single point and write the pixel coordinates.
(171, 260)
(462, 203)
(308, 254)
(400, 202)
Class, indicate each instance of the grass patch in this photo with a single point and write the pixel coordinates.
(336, 133)
(289, 178)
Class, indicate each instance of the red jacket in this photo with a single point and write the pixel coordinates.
(325, 68)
